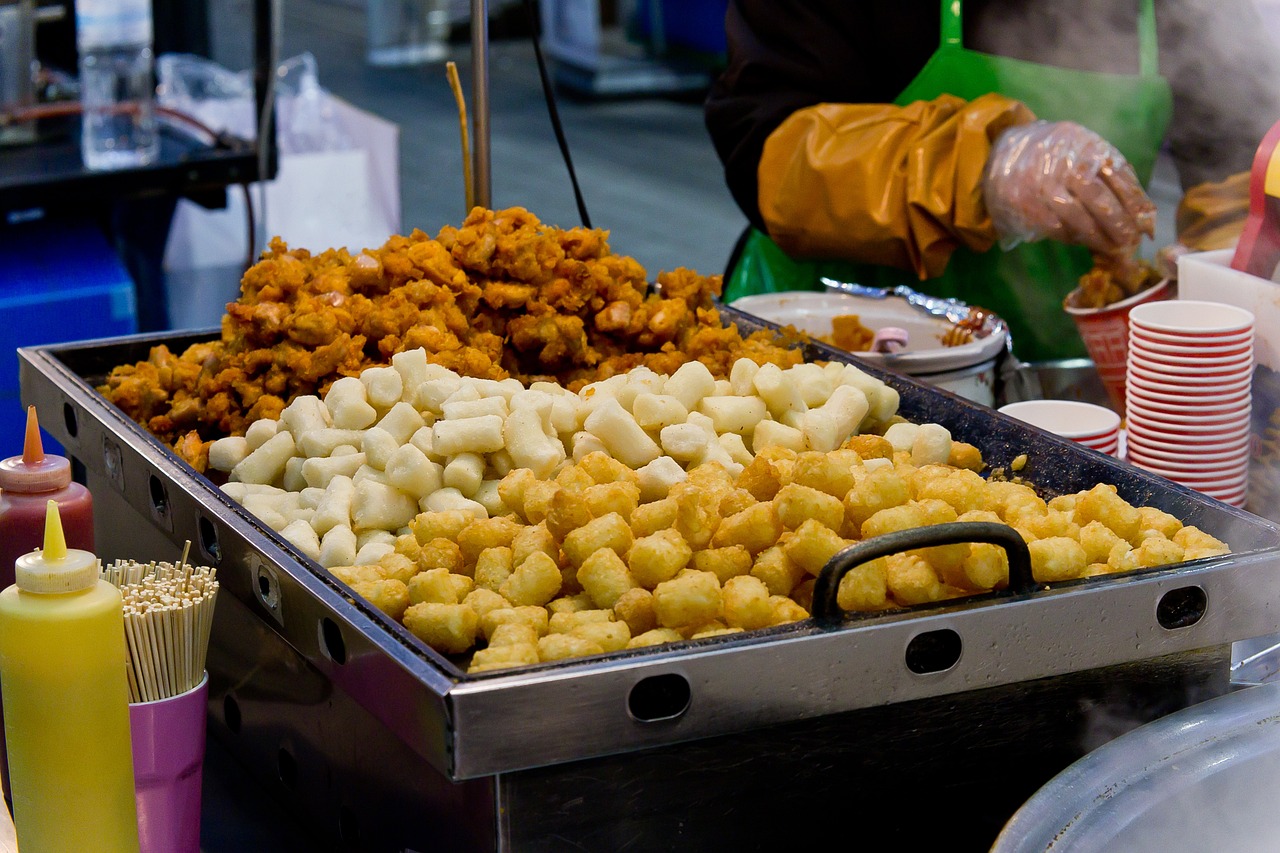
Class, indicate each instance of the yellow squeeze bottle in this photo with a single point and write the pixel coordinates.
(66, 702)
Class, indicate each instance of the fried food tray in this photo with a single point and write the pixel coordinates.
(314, 661)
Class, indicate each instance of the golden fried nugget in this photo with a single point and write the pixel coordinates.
(755, 528)
(388, 595)
(566, 512)
(1158, 551)
(433, 585)
(440, 553)
(1101, 503)
(563, 646)
(878, 490)
(813, 545)
(635, 607)
(570, 603)
(658, 557)
(531, 540)
(607, 532)
(746, 603)
(619, 497)
(447, 628)
(440, 525)
(655, 637)
(605, 577)
(966, 456)
(778, 572)
(512, 633)
(796, 504)
(492, 568)
(1057, 558)
(826, 472)
(864, 587)
(691, 598)
(535, 581)
(504, 656)
(564, 622)
(911, 580)
(536, 617)
(610, 636)
(653, 517)
(728, 562)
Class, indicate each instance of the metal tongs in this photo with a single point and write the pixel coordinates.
(1258, 251)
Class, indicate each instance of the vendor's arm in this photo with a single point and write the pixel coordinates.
(900, 186)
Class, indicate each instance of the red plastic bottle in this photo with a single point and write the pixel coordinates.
(27, 483)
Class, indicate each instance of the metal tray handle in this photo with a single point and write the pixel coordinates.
(825, 589)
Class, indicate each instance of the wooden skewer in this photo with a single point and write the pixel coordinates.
(468, 180)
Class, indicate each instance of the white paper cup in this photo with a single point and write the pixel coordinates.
(1191, 317)
(1205, 381)
(1068, 418)
(1171, 404)
(1227, 419)
(1187, 395)
(1191, 363)
(1139, 343)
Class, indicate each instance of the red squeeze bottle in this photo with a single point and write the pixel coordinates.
(27, 483)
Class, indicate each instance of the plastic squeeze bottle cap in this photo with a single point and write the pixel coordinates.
(33, 471)
(55, 568)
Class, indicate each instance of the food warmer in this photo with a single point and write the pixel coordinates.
(928, 726)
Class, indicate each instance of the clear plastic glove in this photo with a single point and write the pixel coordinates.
(1062, 181)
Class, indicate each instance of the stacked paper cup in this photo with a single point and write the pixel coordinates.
(1093, 426)
(1188, 385)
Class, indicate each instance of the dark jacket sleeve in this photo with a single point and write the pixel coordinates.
(788, 54)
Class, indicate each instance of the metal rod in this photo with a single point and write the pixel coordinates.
(480, 101)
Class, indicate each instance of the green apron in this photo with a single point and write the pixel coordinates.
(1026, 285)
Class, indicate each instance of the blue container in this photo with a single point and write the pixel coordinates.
(60, 281)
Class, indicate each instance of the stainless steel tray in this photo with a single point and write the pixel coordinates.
(474, 726)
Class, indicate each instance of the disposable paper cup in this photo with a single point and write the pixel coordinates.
(1158, 456)
(1227, 473)
(1141, 433)
(1169, 404)
(1190, 396)
(1179, 339)
(1188, 363)
(168, 759)
(1140, 343)
(1067, 418)
(1230, 418)
(1187, 434)
(1203, 380)
(1105, 332)
(1192, 318)
(1185, 444)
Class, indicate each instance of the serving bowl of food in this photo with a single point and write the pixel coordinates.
(949, 344)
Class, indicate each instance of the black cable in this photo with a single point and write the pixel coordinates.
(250, 225)
(554, 113)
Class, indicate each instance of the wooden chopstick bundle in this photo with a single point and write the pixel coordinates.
(168, 615)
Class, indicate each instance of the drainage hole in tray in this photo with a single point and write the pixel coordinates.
(69, 418)
(1182, 607)
(348, 825)
(159, 497)
(287, 766)
(209, 540)
(331, 641)
(231, 713)
(659, 697)
(933, 651)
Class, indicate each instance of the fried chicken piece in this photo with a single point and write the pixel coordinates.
(503, 294)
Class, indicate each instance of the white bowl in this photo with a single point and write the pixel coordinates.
(1191, 317)
(812, 312)
(1068, 418)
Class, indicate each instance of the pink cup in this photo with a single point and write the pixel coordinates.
(168, 760)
